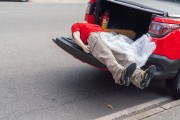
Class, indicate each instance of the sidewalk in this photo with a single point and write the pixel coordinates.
(171, 114)
(169, 111)
(59, 1)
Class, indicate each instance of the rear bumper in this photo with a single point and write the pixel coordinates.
(166, 68)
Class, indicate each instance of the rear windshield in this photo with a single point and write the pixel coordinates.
(170, 6)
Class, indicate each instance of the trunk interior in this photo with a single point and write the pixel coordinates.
(126, 17)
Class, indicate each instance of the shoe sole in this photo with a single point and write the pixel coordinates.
(129, 72)
(151, 71)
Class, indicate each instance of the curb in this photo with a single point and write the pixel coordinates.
(145, 114)
(137, 109)
(154, 111)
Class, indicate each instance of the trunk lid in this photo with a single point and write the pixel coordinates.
(137, 5)
(68, 45)
(168, 7)
(171, 7)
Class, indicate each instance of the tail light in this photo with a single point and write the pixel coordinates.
(158, 29)
(90, 8)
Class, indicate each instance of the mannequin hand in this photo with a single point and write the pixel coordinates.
(86, 48)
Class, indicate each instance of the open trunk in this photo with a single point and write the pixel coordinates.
(123, 15)
(126, 15)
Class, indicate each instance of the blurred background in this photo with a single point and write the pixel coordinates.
(48, 1)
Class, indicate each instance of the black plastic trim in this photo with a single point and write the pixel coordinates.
(166, 68)
(69, 46)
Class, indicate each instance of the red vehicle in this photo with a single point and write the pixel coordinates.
(128, 15)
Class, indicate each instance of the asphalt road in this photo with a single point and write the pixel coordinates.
(39, 81)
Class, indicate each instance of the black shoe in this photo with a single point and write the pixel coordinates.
(128, 73)
(147, 76)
